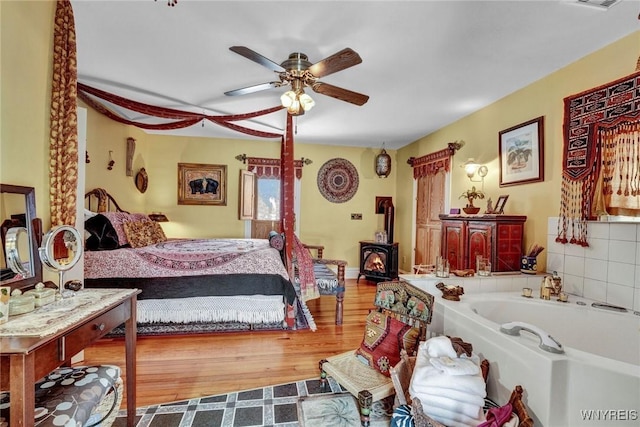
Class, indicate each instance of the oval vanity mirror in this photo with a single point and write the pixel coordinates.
(20, 270)
(61, 249)
(17, 250)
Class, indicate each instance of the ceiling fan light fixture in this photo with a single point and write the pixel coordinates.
(288, 99)
(306, 102)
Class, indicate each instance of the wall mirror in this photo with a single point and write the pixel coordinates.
(61, 249)
(18, 210)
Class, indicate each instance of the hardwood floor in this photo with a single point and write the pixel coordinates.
(182, 367)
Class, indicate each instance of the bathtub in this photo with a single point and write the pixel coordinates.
(595, 382)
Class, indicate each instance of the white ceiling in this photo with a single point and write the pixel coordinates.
(424, 64)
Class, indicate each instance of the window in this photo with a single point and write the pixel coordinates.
(268, 199)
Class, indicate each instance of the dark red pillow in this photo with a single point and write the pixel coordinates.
(384, 338)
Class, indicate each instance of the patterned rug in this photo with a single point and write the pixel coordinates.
(277, 405)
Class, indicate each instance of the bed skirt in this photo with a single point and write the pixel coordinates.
(254, 309)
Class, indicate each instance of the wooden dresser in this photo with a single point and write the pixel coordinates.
(497, 237)
(34, 344)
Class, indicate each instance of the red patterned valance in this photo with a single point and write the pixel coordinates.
(271, 168)
(584, 114)
(431, 163)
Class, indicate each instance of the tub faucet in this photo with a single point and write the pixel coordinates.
(547, 342)
(546, 288)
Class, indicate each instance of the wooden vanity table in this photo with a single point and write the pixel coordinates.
(34, 344)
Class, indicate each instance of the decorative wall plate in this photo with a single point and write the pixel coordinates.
(142, 180)
(338, 180)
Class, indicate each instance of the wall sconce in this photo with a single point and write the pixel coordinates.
(383, 163)
(471, 168)
(111, 161)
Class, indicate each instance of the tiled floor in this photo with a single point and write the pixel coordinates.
(270, 406)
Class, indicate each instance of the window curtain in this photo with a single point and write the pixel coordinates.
(63, 135)
(601, 160)
(430, 164)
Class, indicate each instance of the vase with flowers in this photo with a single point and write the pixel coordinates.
(471, 195)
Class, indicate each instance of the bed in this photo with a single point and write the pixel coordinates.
(238, 283)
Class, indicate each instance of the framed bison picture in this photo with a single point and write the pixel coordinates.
(200, 184)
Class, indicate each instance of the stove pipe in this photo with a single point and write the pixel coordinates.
(389, 216)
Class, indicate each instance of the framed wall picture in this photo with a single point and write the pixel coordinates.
(201, 184)
(521, 150)
(499, 208)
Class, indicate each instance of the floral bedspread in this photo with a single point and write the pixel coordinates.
(182, 257)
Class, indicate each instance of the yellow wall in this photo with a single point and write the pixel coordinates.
(480, 132)
(26, 36)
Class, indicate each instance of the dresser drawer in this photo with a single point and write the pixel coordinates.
(80, 338)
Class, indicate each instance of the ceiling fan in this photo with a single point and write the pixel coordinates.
(298, 72)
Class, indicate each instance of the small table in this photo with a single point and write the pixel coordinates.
(35, 343)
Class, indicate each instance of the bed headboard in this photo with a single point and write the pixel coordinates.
(98, 200)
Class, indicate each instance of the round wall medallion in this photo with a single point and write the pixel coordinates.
(142, 180)
(338, 180)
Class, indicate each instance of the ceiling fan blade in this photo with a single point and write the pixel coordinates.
(256, 57)
(254, 88)
(338, 61)
(340, 93)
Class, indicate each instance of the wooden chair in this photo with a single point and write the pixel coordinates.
(401, 378)
(329, 282)
(397, 299)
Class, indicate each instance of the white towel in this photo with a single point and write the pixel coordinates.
(437, 347)
(460, 396)
(428, 378)
(451, 419)
(457, 366)
(455, 406)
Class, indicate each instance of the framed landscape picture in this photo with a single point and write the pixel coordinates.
(521, 150)
(202, 184)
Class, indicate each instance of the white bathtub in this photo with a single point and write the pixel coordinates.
(598, 376)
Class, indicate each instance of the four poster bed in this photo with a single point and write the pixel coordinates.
(239, 283)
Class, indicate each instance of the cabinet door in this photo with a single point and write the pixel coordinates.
(453, 243)
(479, 239)
(509, 246)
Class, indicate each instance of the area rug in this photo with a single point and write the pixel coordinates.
(303, 320)
(270, 406)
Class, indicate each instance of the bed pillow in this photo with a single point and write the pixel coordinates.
(384, 338)
(143, 233)
(102, 235)
(119, 218)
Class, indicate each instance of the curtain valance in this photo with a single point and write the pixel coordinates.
(266, 168)
(431, 163)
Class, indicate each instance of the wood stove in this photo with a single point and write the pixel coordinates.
(378, 261)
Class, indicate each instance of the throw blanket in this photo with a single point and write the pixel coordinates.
(186, 257)
(584, 114)
(304, 266)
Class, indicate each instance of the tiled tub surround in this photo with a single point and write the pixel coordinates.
(607, 270)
